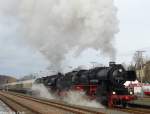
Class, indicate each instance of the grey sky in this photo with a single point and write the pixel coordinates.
(17, 59)
(134, 27)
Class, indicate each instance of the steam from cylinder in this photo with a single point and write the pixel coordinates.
(55, 27)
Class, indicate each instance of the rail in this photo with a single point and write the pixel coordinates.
(134, 110)
(24, 100)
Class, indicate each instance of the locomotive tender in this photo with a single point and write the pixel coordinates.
(105, 84)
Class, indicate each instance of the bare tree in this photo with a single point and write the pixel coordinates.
(138, 59)
(139, 63)
(146, 77)
(131, 67)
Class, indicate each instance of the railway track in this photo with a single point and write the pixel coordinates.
(134, 110)
(32, 105)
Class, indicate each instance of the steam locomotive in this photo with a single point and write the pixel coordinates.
(105, 84)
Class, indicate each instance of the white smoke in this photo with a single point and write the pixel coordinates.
(79, 98)
(72, 97)
(54, 27)
(40, 90)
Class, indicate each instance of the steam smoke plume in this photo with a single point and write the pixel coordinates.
(42, 91)
(73, 97)
(79, 98)
(54, 27)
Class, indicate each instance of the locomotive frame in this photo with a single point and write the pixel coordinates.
(105, 84)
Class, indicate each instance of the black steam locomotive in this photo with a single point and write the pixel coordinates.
(105, 84)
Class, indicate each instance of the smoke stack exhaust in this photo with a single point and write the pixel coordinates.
(112, 63)
(56, 27)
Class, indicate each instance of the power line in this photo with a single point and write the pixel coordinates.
(131, 52)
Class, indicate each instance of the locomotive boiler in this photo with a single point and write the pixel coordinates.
(105, 84)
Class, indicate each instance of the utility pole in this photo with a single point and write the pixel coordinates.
(140, 64)
(140, 56)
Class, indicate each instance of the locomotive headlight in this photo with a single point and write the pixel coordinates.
(113, 92)
(131, 92)
(120, 70)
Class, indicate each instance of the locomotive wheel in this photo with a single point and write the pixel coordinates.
(110, 104)
(124, 104)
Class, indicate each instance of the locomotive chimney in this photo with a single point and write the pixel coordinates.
(111, 63)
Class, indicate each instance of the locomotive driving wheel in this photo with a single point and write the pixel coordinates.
(124, 104)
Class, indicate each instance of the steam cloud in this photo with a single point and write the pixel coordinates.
(42, 91)
(73, 97)
(79, 98)
(54, 27)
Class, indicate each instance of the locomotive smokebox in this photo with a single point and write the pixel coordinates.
(112, 63)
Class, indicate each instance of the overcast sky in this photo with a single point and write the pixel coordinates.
(134, 27)
(18, 60)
